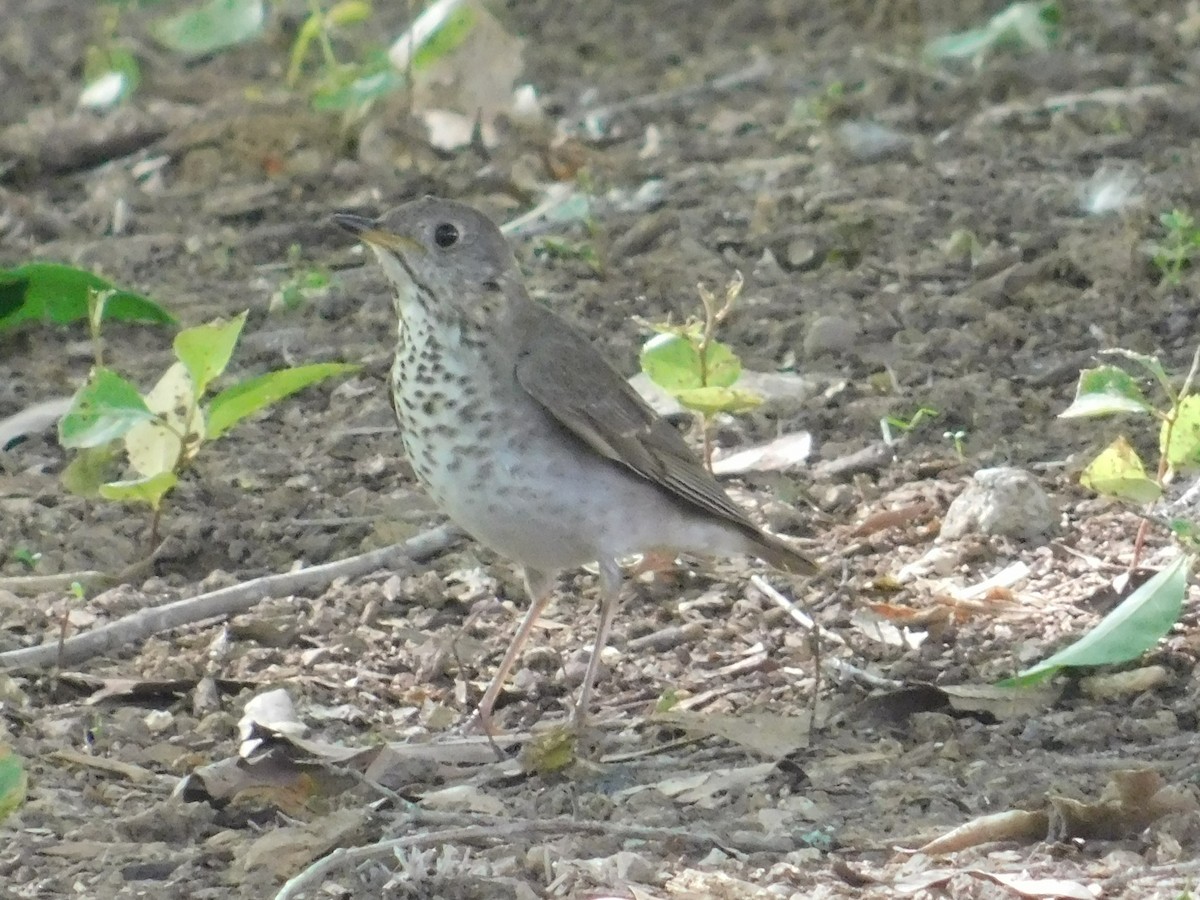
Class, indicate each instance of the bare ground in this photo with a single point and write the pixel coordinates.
(765, 780)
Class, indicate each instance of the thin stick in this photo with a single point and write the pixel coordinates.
(798, 615)
(488, 828)
(226, 602)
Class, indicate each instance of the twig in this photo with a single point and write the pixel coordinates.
(227, 601)
(800, 617)
(815, 631)
(491, 828)
(843, 669)
(755, 72)
(1105, 97)
(42, 584)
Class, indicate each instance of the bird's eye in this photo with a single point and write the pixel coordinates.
(445, 235)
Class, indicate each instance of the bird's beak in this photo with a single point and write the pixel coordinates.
(369, 233)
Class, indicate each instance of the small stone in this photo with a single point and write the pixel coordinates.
(801, 255)
(541, 659)
(158, 720)
(576, 666)
(526, 681)
(1004, 502)
(872, 142)
(830, 334)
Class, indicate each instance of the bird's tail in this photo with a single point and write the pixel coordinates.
(773, 550)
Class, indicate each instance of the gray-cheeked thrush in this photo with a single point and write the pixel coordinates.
(525, 436)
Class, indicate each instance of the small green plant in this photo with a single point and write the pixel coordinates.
(1178, 247)
(1108, 390)
(333, 83)
(582, 251)
(693, 367)
(889, 424)
(958, 440)
(26, 557)
(963, 244)
(1118, 472)
(305, 283)
(819, 108)
(110, 71)
(1022, 26)
(667, 700)
(77, 594)
(163, 431)
(209, 27)
(13, 781)
(58, 294)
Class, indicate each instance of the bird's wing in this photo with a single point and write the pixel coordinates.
(577, 387)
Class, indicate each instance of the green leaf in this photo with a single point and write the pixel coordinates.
(1118, 472)
(1104, 391)
(49, 292)
(214, 26)
(1125, 633)
(452, 32)
(173, 439)
(110, 74)
(244, 399)
(90, 468)
(1182, 450)
(711, 400)
(346, 12)
(13, 781)
(1020, 25)
(103, 410)
(960, 45)
(1147, 361)
(672, 362)
(206, 349)
(360, 91)
(150, 491)
(722, 367)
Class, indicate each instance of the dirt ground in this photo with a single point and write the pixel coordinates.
(807, 146)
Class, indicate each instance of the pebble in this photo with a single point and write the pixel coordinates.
(830, 334)
(872, 142)
(1004, 502)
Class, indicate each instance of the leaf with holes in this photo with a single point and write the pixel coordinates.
(712, 400)
(1104, 391)
(103, 410)
(673, 363)
(206, 350)
(1180, 444)
(173, 439)
(150, 490)
(1118, 472)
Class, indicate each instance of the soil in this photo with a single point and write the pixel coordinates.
(912, 235)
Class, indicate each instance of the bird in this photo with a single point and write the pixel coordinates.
(525, 436)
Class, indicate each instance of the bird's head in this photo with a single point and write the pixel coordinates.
(444, 256)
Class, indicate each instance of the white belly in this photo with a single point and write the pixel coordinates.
(520, 484)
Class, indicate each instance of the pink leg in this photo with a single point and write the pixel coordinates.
(538, 585)
(610, 593)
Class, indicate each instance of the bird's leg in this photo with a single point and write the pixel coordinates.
(538, 585)
(610, 595)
